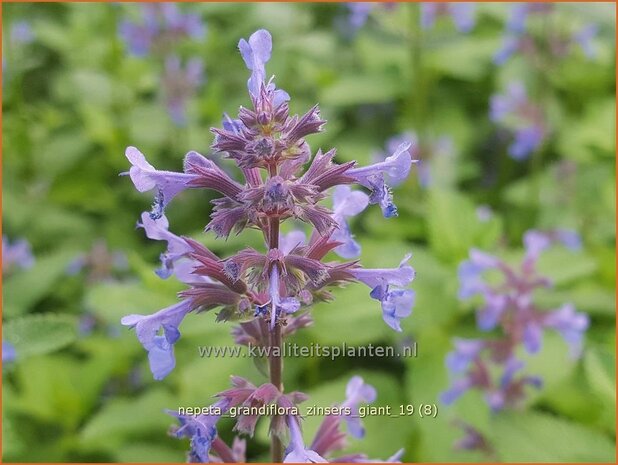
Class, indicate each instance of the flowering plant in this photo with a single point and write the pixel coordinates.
(268, 292)
(493, 365)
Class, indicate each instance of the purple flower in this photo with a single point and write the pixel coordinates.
(199, 173)
(517, 38)
(470, 273)
(347, 203)
(8, 352)
(509, 306)
(16, 255)
(359, 13)
(567, 237)
(357, 392)
(571, 326)
(458, 388)
(463, 16)
(145, 178)
(330, 436)
(466, 351)
(180, 85)
(201, 429)
(498, 398)
(279, 305)
(400, 276)
(394, 168)
(162, 25)
(518, 15)
(489, 316)
(527, 140)
(510, 44)
(137, 38)
(511, 367)
(87, 323)
(503, 105)
(256, 53)
(532, 337)
(585, 37)
(396, 303)
(392, 144)
(177, 247)
(291, 240)
(525, 119)
(472, 439)
(429, 11)
(461, 13)
(158, 333)
(187, 24)
(21, 32)
(296, 451)
(536, 242)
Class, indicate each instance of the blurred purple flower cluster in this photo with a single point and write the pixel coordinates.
(462, 14)
(16, 255)
(509, 307)
(162, 27)
(519, 38)
(21, 32)
(269, 292)
(100, 262)
(526, 119)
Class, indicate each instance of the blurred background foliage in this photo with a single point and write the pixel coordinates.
(79, 388)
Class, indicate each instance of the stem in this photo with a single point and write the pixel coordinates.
(273, 233)
(543, 98)
(276, 369)
(275, 360)
(418, 95)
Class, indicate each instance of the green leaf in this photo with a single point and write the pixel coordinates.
(55, 388)
(537, 437)
(465, 59)
(12, 443)
(120, 418)
(112, 301)
(426, 378)
(361, 88)
(354, 310)
(601, 371)
(563, 266)
(587, 137)
(600, 368)
(149, 452)
(588, 297)
(40, 334)
(454, 227)
(25, 288)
